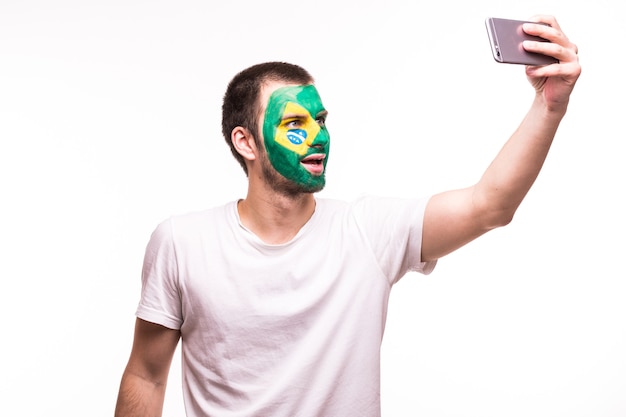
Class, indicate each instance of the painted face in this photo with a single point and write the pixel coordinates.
(296, 139)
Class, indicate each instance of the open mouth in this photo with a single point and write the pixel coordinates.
(314, 163)
(314, 159)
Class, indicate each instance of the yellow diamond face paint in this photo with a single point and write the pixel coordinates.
(297, 129)
(296, 139)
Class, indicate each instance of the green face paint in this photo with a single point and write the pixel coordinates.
(293, 133)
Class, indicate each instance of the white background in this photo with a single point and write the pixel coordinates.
(110, 122)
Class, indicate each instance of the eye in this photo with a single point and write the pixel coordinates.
(293, 123)
(321, 121)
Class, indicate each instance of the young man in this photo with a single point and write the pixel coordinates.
(280, 298)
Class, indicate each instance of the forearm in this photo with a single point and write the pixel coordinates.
(139, 397)
(507, 180)
(456, 217)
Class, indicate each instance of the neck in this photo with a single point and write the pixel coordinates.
(275, 218)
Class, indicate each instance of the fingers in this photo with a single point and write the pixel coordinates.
(558, 45)
(546, 20)
(567, 73)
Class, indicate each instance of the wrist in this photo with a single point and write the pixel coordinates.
(550, 109)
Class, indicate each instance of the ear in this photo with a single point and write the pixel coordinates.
(244, 143)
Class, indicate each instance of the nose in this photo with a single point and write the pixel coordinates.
(320, 140)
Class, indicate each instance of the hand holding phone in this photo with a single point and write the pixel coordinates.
(506, 37)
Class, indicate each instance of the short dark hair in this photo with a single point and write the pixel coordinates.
(241, 107)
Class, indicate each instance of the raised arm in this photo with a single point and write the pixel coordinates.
(142, 389)
(455, 218)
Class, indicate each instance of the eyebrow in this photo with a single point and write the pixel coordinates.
(287, 116)
(323, 113)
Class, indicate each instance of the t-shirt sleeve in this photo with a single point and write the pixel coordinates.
(394, 228)
(160, 296)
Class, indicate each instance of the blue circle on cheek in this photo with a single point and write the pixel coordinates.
(296, 136)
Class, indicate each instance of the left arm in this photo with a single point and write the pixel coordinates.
(454, 218)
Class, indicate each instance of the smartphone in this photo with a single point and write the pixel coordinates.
(506, 37)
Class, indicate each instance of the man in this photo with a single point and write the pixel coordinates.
(281, 298)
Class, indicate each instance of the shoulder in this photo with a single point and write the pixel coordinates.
(330, 204)
(216, 213)
(193, 222)
(367, 203)
(373, 212)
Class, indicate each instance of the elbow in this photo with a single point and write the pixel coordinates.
(505, 219)
(498, 218)
(494, 210)
(494, 214)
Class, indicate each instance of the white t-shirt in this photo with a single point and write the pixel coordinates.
(290, 330)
